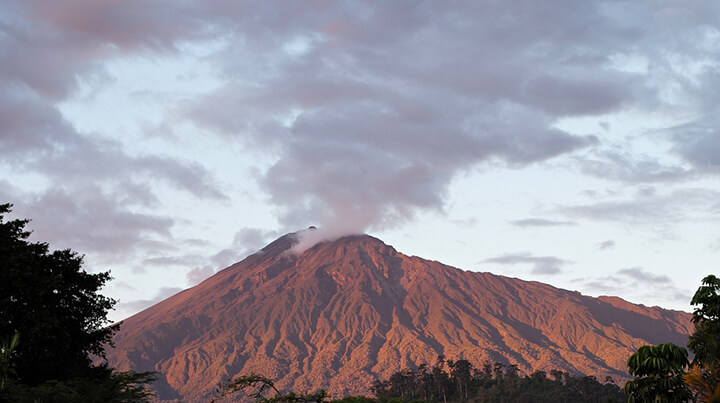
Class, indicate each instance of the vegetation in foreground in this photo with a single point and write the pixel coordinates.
(53, 322)
(449, 381)
(663, 373)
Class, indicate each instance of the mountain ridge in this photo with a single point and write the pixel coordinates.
(345, 312)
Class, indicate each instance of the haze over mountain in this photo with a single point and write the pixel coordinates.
(342, 313)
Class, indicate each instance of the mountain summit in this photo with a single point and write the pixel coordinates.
(345, 312)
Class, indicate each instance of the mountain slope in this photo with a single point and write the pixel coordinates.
(345, 312)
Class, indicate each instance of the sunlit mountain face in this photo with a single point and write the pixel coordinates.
(342, 313)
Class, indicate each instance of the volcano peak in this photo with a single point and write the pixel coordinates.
(346, 311)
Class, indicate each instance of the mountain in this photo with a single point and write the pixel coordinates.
(345, 312)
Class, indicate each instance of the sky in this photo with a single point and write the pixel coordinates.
(567, 142)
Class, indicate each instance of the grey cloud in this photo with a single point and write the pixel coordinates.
(354, 105)
(649, 209)
(9, 193)
(626, 211)
(546, 265)
(137, 305)
(198, 274)
(195, 242)
(626, 283)
(36, 138)
(48, 47)
(31, 127)
(28, 50)
(89, 219)
(103, 22)
(46, 50)
(379, 159)
(225, 257)
(175, 260)
(639, 274)
(630, 167)
(699, 145)
(245, 242)
(607, 285)
(253, 239)
(561, 96)
(609, 244)
(192, 177)
(369, 110)
(540, 222)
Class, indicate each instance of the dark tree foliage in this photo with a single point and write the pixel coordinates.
(703, 378)
(494, 382)
(52, 321)
(258, 388)
(658, 372)
(53, 305)
(113, 387)
(705, 341)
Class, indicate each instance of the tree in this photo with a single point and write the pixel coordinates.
(114, 387)
(52, 304)
(7, 351)
(705, 342)
(256, 387)
(658, 372)
(51, 310)
(704, 375)
(461, 372)
(481, 387)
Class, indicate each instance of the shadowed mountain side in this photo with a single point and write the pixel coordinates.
(346, 312)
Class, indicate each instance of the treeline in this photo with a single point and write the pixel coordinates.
(460, 381)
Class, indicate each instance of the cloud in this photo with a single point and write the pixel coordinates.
(373, 156)
(639, 274)
(367, 122)
(648, 208)
(174, 260)
(37, 139)
(250, 240)
(540, 222)
(198, 274)
(605, 245)
(626, 282)
(47, 52)
(138, 305)
(627, 166)
(245, 242)
(699, 143)
(386, 102)
(545, 265)
(91, 220)
(608, 285)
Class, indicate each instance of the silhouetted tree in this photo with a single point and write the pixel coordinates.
(658, 372)
(461, 372)
(51, 308)
(703, 377)
(505, 386)
(53, 305)
(441, 379)
(256, 387)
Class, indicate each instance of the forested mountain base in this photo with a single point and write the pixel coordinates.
(453, 381)
(446, 382)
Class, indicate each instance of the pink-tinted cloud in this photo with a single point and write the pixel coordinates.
(367, 111)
